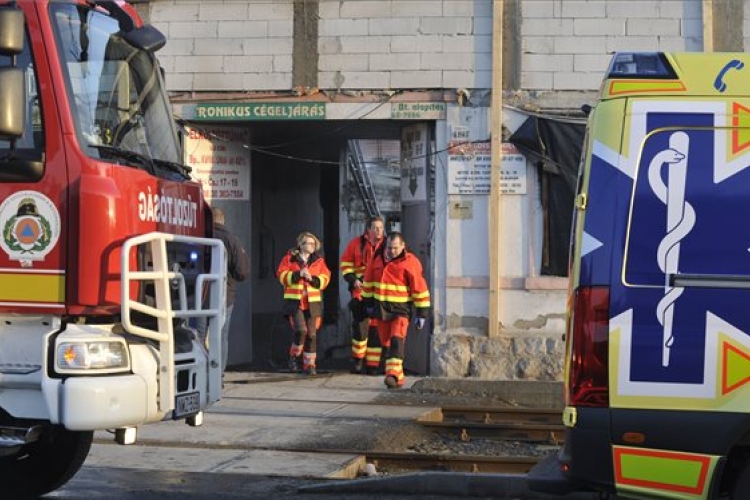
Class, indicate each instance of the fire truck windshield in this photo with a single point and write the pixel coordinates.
(116, 90)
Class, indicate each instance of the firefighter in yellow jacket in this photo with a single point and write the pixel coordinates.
(400, 292)
(304, 275)
(366, 348)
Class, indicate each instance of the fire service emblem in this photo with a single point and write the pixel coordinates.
(31, 226)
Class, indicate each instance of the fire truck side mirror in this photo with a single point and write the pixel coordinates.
(12, 81)
(11, 31)
(146, 37)
(12, 99)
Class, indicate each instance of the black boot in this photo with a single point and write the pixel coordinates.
(391, 382)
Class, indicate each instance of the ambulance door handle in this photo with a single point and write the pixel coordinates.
(709, 280)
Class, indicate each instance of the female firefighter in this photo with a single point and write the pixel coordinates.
(304, 275)
(399, 291)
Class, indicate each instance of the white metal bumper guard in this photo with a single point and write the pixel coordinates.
(161, 277)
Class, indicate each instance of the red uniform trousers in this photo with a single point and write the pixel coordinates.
(392, 335)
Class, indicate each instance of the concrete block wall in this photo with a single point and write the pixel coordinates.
(563, 45)
(216, 45)
(413, 44)
(225, 46)
(566, 45)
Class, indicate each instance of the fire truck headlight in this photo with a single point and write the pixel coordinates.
(75, 357)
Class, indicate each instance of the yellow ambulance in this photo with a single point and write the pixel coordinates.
(657, 369)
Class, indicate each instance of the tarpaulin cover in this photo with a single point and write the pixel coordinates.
(554, 147)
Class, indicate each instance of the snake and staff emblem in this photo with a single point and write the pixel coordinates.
(680, 221)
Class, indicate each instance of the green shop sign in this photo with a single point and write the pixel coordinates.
(259, 111)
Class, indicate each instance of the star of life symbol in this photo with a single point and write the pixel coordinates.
(680, 221)
(30, 224)
(714, 331)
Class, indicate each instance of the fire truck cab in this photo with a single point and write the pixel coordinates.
(657, 371)
(105, 247)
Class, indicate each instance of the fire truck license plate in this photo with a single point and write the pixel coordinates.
(187, 404)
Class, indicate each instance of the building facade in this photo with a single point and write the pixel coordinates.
(312, 114)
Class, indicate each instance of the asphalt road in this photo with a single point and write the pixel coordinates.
(135, 484)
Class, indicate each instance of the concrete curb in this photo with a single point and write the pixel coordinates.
(500, 486)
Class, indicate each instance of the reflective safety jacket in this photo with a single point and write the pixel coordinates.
(355, 259)
(298, 292)
(398, 285)
(372, 276)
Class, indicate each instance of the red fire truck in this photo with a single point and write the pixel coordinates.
(104, 246)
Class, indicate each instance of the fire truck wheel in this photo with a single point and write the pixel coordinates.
(45, 465)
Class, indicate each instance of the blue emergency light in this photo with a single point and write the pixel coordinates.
(640, 65)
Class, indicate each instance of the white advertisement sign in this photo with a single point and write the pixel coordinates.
(469, 168)
(220, 160)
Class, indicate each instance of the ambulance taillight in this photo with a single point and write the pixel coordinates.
(588, 377)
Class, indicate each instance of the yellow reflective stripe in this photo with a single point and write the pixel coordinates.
(424, 304)
(392, 287)
(373, 356)
(30, 287)
(618, 87)
(422, 295)
(359, 347)
(391, 298)
(395, 367)
(286, 278)
(396, 293)
(324, 280)
(358, 272)
(292, 295)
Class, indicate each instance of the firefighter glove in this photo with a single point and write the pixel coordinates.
(419, 323)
